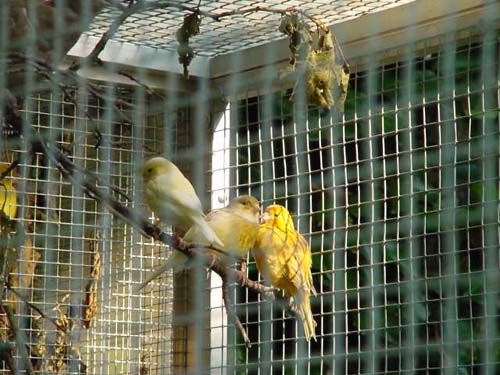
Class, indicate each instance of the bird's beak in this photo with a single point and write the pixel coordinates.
(265, 218)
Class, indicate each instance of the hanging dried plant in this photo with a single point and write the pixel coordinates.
(189, 28)
(323, 72)
(298, 35)
(90, 305)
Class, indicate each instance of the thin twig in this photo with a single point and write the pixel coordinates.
(232, 314)
(36, 308)
(47, 71)
(314, 19)
(20, 339)
(339, 49)
(99, 47)
(139, 6)
(148, 89)
(12, 165)
(282, 12)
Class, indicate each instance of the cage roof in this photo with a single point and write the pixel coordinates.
(157, 28)
(244, 42)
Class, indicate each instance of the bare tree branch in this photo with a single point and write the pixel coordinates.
(68, 170)
(65, 78)
(232, 314)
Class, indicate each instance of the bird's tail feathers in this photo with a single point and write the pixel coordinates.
(176, 261)
(301, 304)
(208, 233)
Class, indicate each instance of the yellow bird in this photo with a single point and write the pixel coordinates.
(237, 225)
(8, 194)
(283, 258)
(172, 198)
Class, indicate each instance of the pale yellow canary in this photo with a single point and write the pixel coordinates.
(237, 225)
(283, 258)
(172, 198)
(8, 194)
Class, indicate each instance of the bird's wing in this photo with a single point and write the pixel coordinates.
(295, 257)
(8, 198)
(305, 260)
(178, 191)
(220, 222)
(218, 214)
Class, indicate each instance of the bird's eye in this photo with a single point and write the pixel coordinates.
(150, 170)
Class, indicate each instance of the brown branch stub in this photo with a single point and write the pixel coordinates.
(232, 314)
(12, 165)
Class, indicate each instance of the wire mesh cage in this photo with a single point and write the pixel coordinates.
(396, 193)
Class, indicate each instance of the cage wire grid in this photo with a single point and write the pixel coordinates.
(70, 228)
(398, 198)
(157, 28)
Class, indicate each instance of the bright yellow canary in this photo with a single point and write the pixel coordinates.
(283, 258)
(8, 194)
(237, 225)
(172, 198)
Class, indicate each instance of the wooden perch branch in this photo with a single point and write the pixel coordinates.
(88, 184)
